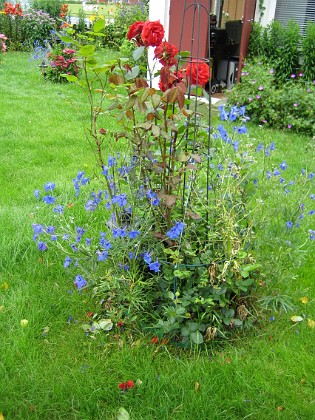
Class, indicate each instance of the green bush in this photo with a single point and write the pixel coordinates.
(38, 27)
(125, 16)
(52, 7)
(290, 105)
(308, 52)
(278, 45)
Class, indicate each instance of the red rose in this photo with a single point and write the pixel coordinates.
(152, 33)
(135, 32)
(198, 72)
(165, 53)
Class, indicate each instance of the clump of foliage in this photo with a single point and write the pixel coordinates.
(161, 231)
(38, 27)
(62, 61)
(289, 105)
(308, 52)
(23, 29)
(11, 24)
(53, 7)
(278, 45)
(125, 15)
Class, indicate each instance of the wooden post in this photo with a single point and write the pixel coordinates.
(248, 17)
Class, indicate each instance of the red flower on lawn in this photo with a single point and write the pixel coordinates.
(125, 386)
(152, 33)
(165, 53)
(135, 31)
(198, 72)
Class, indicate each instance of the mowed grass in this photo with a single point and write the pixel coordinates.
(51, 369)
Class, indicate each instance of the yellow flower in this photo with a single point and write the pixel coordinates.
(24, 323)
(311, 323)
(304, 300)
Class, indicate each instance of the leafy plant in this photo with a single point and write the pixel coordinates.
(289, 105)
(52, 7)
(308, 52)
(61, 61)
(278, 46)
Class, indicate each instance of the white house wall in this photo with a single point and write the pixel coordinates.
(269, 12)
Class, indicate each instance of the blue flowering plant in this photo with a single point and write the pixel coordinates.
(162, 233)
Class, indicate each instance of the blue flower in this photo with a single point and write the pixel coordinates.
(37, 228)
(90, 205)
(85, 181)
(223, 114)
(312, 234)
(235, 145)
(276, 172)
(49, 186)
(223, 133)
(42, 246)
(65, 237)
(117, 233)
(176, 230)
(241, 130)
(111, 161)
(80, 175)
(147, 258)
(36, 193)
(283, 166)
(154, 266)
(74, 248)
(259, 147)
(155, 201)
(88, 241)
(121, 200)
(133, 234)
(268, 174)
(80, 282)
(289, 224)
(58, 209)
(48, 199)
(312, 196)
(282, 180)
(67, 261)
(79, 230)
(102, 255)
(311, 212)
(311, 175)
(50, 229)
(220, 167)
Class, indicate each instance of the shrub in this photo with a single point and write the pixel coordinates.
(162, 233)
(38, 27)
(61, 61)
(11, 24)
(278, 45)
(290, 105)
(308, 52)
(125, 15)
(52, 7)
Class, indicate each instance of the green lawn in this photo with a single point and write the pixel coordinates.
(51, 370)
